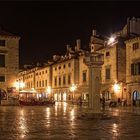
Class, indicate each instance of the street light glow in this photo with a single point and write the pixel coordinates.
(73, 87)
(49, 89)
(116, 87)
(19, 84)
(111, 40)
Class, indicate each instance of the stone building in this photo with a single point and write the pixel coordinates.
(36, 80)
(133, 69)
(9, 60)
(113, 69)
(67, 74)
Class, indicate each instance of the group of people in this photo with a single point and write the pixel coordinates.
(120, 102)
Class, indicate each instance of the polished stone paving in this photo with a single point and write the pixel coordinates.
(61, 122)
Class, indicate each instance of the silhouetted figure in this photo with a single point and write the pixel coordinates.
(119, 101)
(103, 103)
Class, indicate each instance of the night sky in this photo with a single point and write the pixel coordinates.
(46, 27)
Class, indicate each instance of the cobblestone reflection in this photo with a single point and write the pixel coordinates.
(22, 124)
(61, 122)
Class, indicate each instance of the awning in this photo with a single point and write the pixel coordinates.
(27, 91)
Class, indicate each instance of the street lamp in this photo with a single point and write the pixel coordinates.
(116, 87)
(72, 89)
(112, 40)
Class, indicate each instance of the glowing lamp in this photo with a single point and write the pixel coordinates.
(116, 87)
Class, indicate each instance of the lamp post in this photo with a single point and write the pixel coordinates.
(72, 89)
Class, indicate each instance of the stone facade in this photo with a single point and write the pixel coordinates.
(9, 63)
(69, 69)
(133, 69)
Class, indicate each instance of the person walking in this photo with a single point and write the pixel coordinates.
(103, 103)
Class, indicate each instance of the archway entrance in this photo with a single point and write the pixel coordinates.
(135, 97)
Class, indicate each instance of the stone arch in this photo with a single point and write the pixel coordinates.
(135, 95)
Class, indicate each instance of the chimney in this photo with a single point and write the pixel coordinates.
(78, 44)
(94, 32)
(68, 47)
(128, 25)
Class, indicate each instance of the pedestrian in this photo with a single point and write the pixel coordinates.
(119, 101)
(103, 103)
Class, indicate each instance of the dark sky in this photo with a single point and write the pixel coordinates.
(46, 27)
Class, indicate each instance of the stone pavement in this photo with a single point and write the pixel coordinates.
(60, 122)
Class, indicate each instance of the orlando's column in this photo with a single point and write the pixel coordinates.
(94, 61)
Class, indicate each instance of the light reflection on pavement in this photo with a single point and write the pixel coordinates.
(61, 122)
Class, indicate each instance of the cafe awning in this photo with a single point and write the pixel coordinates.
(27, 91)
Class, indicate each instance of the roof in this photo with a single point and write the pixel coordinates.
(4, 33)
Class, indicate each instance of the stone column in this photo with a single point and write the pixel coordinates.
(94, 88)
(94, 61)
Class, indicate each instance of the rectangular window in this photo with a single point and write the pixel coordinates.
(46, 83)
(55, 81)
(64, 80)
(84, 76)
(2, 78)
(2, 42)
(59, 81)
(135, 69)
(135, 46)
(37, 83)
(2, 60)
(69, 79)
(42, 83)
(107, 54)
(107, 73)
